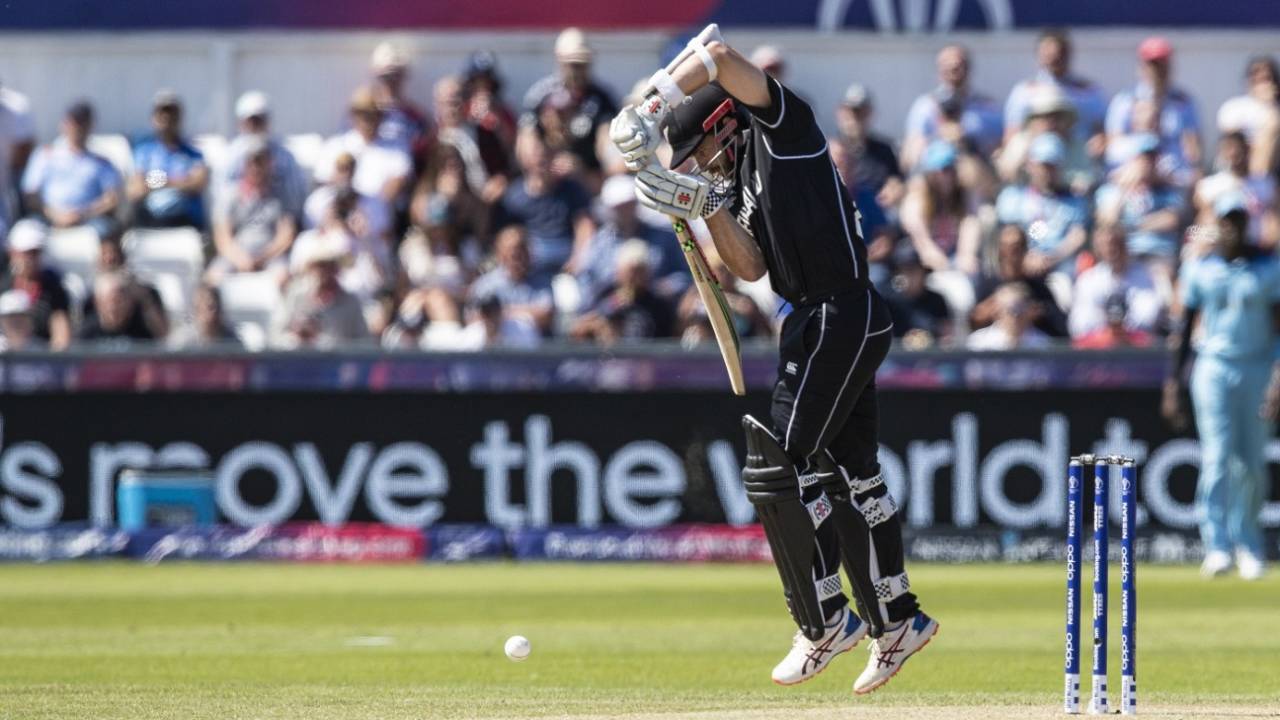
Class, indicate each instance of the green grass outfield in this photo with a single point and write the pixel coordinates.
(112, 640)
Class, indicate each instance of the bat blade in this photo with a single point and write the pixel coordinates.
(717, 306)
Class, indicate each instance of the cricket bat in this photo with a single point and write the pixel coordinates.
(717, 307)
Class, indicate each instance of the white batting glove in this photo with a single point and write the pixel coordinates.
(676, 194)
(635, 131)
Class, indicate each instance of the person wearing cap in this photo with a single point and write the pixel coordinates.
(939, 215)
(65, 183)
(1048, 110)
(1233, 296)
(590, 105)
(875, 164)
(17, 332)
(253, 225)
(253, 118)
(921, 316)
(1149, 209)
(627, 309)
(17, 140)
(621, 222)
(1089, 104)
(403, 124)
(1257, 112)
(1053, 219)
(953, 111)
(749, 159)
(484, 107)
(49, 302)
(383, 169)
(1175, 118)
(1115, 274)
(317, 312)
(169, 173)
(1234, 175)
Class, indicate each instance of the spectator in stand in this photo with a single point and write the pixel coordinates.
(1089, 104)
(17, 139)
(1169, 112)
(209, 327)
(123, 312)
(1049, 215)
(289, 182)
(484, 108)
(1148, 209)
(590, 107)
(875, 170)
(1011, 263)
(938, 214)
(147, 317)
(692, 324)
(953, 112)
(491, 326)
(68, 185)
(523, 294)
(1233, 176)
(253, 227)
(1114, 275)
(921, 318)
(1256, 113)
(401, 123)
(169, 174)
(621, 224)
(628, 309)
(368, 268)
(49, 302)
(1115, 332)
(453, 128)
(17, 331)
(443, 247)
(375, 212)
(770, 61)
(877, 231)
(1048, 110)
(1013, 327)
(556, 212)
(555, 121)
(317, 312)
(383, 168)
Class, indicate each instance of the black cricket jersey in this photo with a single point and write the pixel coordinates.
(791, 199)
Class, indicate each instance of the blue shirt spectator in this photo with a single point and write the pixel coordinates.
(1149, 209)
(524, 296)
(1053, 53)
(65, 182)
(253, 112)
(622, 223)
(170, 175)
(1053, 219)
(952, 112)
(1154, 105)
(555, 211)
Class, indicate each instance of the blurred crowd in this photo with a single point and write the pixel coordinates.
(474, 221)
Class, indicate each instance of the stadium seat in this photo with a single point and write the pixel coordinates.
(116, 149)
(174, 293)
(248, 300)
(177, 252)
(214, 149)
(306, 150)
(73, 250)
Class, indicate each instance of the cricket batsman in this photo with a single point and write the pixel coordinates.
(749, 158)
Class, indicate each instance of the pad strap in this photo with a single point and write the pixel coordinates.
(888, 588)
(857, 486)
(877, 510)
(819, 509)
(828, 587)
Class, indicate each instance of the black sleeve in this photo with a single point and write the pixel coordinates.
(58, 297)
(788, 122)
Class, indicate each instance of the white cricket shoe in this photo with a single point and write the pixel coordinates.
(1216, 562)
(808, 658)
(891, 650)
(1251, 566)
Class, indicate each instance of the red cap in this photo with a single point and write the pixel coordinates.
(1155, 48)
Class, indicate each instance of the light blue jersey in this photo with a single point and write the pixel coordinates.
(1234, 299)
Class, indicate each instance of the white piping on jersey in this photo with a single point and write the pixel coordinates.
(795, 402)
(853, 366)
(844, 221)
(881, 331)
(776, 156)
(782, 112)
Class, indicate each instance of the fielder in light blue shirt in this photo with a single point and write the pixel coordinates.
(1235, 388)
